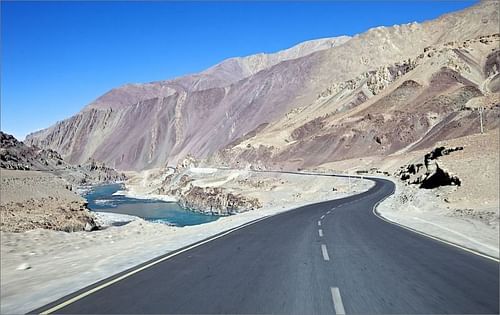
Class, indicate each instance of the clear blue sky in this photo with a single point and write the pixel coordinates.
(59, 56)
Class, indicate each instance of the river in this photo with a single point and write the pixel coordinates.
(101, 198)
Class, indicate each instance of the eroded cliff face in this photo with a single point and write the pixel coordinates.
(213, 200)
(320, 101)
(205, 197)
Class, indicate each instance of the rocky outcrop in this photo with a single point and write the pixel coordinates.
(437, 177)
(492, 64)
(98, 172)
(215, 200)
(438, 152)
(206, 199)
(375, 80)
(308, 129)
(429, 174)
(187, 162)
(15, 155)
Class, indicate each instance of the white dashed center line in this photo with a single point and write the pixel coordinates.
(337, 301)
(320, 232)
(322, 217)
(325, 252)
(319, 223)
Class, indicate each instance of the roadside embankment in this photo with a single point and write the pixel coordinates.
(426, 211)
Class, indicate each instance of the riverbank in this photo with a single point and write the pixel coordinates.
(143, 185)
(104, 199)
(230, 191)
(36, 199)
(41, 266)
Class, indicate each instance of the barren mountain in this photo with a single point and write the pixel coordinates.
(15, 155)
(399, 107)
(223, 74)
(389, 89)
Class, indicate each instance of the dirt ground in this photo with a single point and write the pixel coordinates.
(34, 199)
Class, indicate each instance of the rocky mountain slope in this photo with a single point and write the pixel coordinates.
(15, 155)
(388, 89)
(403, 106)
(223, 74)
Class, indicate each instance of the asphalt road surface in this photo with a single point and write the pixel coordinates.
(328, 258)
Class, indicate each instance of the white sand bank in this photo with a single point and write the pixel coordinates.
(149, 196)
(107, 219)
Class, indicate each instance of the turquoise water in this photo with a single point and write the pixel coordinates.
(101, 198)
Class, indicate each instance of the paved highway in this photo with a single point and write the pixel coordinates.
(328, 258)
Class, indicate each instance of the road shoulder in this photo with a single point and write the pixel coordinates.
(426, 214)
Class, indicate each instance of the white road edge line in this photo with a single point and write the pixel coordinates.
(104, 285)
(427, 235)
(319, 223)
(337, 301)
(454, 232)
(325, 252)
(320, 232)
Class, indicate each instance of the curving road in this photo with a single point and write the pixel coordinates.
(325, 258)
